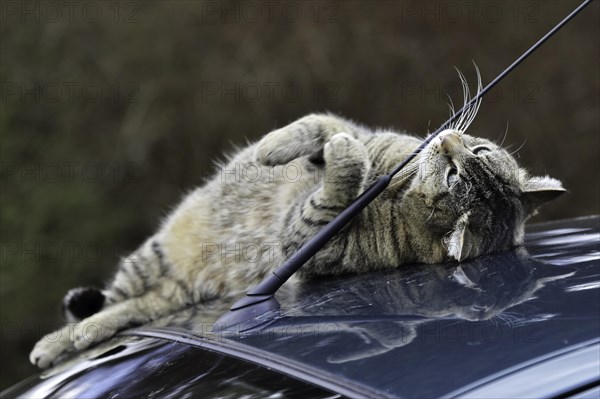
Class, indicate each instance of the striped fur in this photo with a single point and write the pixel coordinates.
(269, 198)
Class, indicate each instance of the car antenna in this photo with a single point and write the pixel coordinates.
(260, 299)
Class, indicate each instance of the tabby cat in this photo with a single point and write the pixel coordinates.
(462, 197)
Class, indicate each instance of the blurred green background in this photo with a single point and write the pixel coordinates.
(112, 111)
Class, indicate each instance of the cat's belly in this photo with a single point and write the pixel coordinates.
(226, 236)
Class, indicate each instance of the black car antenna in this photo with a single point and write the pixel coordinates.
(260, 299)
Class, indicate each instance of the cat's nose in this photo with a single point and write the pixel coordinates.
(450, 142)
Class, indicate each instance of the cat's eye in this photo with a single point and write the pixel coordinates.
(480, 150)
(451, 176)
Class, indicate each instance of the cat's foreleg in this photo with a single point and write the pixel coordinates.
(306, 136)
(347, 167)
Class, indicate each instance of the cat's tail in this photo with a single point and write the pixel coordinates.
(82, 302)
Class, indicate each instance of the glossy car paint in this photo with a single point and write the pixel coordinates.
(519, 323)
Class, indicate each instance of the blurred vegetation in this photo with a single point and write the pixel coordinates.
(107, 121)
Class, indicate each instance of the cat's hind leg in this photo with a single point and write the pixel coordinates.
(51, 347)
(106, 323)
(136, 274)
(306, 136)
(139, 276)
(150, 306)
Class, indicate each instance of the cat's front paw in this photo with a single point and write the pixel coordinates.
(346, 153)
(93, 330)
(278, 148)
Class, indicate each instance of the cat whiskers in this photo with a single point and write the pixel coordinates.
(505, 134)
(466, 98)
(405, 175)
(469, 187)
(451, 105)
(402, 179)
(432, 211)
(512, 320)
(521, 146)
(468, 116)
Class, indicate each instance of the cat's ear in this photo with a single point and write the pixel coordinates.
(460, 242)
(536, 191)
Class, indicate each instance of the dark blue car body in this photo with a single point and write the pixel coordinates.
(523, 323)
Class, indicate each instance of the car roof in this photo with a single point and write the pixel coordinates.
(471, 329)
(429, 331)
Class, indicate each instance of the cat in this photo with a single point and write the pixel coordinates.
(462, 197)
(400, 305)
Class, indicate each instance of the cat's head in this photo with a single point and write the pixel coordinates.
(472, 198)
